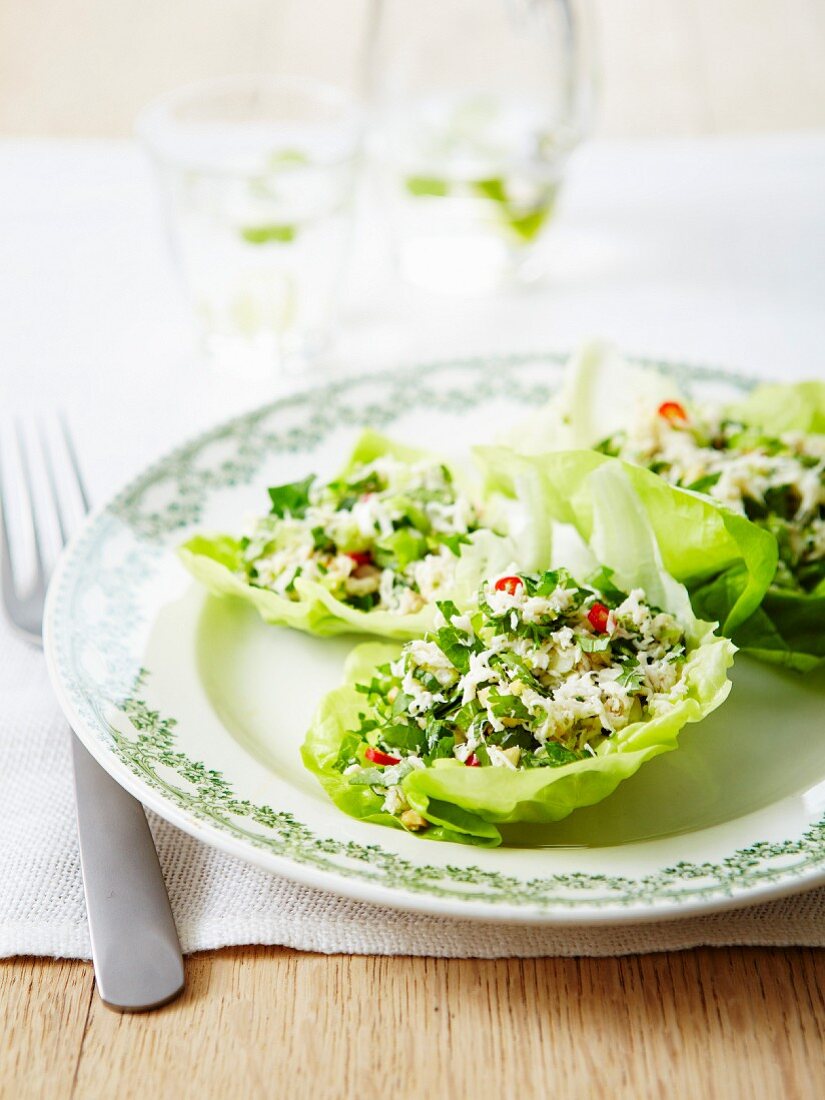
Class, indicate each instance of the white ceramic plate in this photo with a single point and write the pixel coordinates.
(199, 708)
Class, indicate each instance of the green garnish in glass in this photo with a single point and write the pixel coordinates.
(423, 185)
(266, 234)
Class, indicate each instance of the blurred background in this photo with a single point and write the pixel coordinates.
(667, 67)
(670, 180)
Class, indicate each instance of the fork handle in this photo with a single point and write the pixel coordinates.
(135, 949)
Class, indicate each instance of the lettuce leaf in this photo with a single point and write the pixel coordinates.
(697, 539)
(468, 804)
(600, 396)
(787, 629)
(778, 408)
(214, 560)
(335, 717)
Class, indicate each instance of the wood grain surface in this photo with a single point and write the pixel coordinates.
(269, 1022)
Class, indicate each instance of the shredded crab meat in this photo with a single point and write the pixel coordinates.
(387, 537)
(777, 481)
(524, 679)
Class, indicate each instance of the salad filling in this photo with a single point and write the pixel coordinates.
(542, 673)
(386, 535)
(778, 482)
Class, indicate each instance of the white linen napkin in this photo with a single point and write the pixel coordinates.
(219, 900)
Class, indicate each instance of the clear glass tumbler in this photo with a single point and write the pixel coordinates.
(479, 104)
(258, 177)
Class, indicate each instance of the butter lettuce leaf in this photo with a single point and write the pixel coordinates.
(337, 715)
(778, 408)
(216, 561)
(786, 629)
(697, 539)
(599, 397)
(469, 804)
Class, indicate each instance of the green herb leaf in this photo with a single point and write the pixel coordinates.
(631, 676)
(516, 664)
(401, 703)
(454, 543)
(347, 751)
(602, 582)
(320, 539)
(447, 608)
(507, 706)
(399, 549)
(704, 484)
(442, 748)
(589, 644)
(404, 737)
(554, 755)
(456, 647)
(466, 714)
(292, 498)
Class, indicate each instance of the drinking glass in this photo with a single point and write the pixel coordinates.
(257, 178)
(479, 104)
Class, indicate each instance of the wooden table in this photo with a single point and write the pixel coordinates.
(269, 1022)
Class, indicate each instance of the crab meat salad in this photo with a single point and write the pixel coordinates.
(541, 675)
(777, 481)
(757, 566)
(538, 699)
(385, 535)
(374, 548)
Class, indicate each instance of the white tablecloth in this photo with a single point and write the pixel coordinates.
(709, 251)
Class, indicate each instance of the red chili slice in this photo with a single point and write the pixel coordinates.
(672, 411)
(510, 585)
(472, 761)
(597, 616)
(361, 557)
(382, 758)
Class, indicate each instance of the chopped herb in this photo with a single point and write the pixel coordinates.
(704, 484)
(291, 499)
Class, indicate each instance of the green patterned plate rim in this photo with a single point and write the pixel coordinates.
(107, 587)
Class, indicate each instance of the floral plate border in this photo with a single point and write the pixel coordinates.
(100, 683)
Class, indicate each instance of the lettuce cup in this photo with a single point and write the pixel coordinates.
(538, 698)
(370, 551)
(760, 460)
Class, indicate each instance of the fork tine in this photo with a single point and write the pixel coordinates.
(51, 476)
(67, 439)
(40, 568)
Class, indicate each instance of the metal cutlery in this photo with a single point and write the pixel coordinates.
(135, 949)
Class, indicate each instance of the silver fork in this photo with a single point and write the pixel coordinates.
(135, 949)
